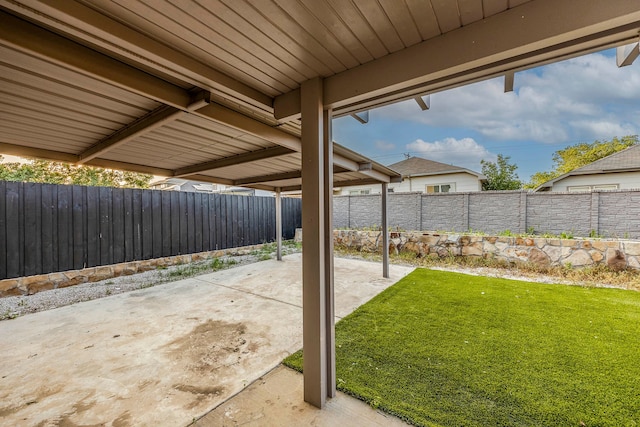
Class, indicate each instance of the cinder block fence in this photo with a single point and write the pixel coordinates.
(614, 214)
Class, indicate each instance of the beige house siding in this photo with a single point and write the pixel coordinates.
(624, 181)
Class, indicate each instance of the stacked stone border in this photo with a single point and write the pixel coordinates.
(30, 285)
(575, 253)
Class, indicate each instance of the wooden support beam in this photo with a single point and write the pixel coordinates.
(145, 124)
(354, 182)
(267, 178)
(625, 55)
(509, 78)
(423, 101)
(153, 120)
(207, 178)
(238, 159)
(30, 38)
(362, 116)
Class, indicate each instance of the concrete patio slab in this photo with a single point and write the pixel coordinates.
(276, 399)
(164, 355)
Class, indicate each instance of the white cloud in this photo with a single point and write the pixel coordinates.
(384, 145)
(465, 152)
(581, 99)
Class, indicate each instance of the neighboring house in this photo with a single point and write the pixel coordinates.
(178, 184)
(619, 171)
(426, 176)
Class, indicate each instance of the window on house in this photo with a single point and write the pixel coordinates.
(359, 192)
(579, 188)
(441, 188)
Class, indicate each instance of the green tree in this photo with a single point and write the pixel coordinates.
(501, 175)
(45, 171)
(578, 155)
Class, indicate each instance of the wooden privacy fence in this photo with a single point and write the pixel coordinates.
(46, 228)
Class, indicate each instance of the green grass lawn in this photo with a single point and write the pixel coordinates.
(448, 349)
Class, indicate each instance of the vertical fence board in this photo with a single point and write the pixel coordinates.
(147, 226)
(93, 227)
(184, 215)
(231, 220)
(175, 223)
(254, 214)
(136, 201)
(166, 223)
(264, 218)
(62, 223)
(270, 220)
(191, 223)
(156, 223)
(106, 225)
(218, 221)
(241, 221)
(206, 236)
(13, 220)
(117, 231)
(129, 234)
(213, 231)
(79, 242)
(49, 248)
(3, 230)
(31, 231)
(197, 222)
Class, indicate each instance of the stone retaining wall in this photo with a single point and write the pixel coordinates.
(31, 284)
(617, 254)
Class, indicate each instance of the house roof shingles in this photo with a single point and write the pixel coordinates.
(417, 166)
(627, 160)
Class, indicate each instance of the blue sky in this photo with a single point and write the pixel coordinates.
(578, 100)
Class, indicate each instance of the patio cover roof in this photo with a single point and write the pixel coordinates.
(210, 90)
(215, 90)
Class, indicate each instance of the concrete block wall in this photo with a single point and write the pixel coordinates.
(557, 213)
(618, 214)
(608, 213)
(494, 211)
(404, 210)
(445, 212)
(341, 212)
(365, 211)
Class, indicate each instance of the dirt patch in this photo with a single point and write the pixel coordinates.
(212, 345)
(41, 394)
(78, 408)
(123, 420)
(206, 352)
(200, 393)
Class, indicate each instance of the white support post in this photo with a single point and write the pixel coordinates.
(385, 232)
(317, 293)
(278, 225)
